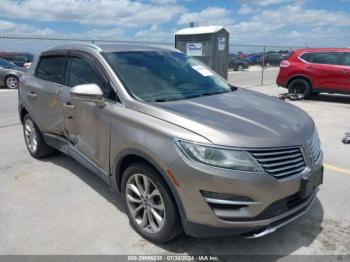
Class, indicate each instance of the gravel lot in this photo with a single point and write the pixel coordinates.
(56, 206)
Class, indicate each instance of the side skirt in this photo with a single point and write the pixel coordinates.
(67, 148)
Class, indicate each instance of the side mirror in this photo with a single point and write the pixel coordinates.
(88, 93)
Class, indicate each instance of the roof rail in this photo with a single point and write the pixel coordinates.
(69, 46)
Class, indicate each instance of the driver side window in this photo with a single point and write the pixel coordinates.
(81, 72)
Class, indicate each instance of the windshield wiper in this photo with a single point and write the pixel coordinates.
(205, 94)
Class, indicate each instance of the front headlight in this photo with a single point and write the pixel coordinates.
(220, 157)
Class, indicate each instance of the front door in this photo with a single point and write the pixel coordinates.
(42, 92)
(86, 125)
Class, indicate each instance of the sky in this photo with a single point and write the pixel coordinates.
(316, 23)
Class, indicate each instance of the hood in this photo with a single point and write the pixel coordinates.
(19, 68)
(241, 118)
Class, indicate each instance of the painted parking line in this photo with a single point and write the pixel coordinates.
(337, 169)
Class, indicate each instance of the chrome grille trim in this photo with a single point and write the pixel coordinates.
(280, 162)
(315, 147)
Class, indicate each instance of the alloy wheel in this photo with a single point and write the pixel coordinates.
(30, 135)
(145, 203)
(11, 82)
(299, 89)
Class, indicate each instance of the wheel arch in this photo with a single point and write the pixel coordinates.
(129, 156)
(22, 113)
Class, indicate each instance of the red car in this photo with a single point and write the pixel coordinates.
(314, 70)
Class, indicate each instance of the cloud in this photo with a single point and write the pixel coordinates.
(209, 16)
(164, 1)
(264, 2)
(155, 34)
(291, 22)
(246, 9)
(11, 28)
(94, 12)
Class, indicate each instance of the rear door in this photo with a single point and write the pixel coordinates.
(41, 92)
(86, 125)
(325, 70)
(346, 71)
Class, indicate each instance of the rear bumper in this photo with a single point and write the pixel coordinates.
(282, 79)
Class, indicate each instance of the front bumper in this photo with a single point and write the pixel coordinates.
(267, 210)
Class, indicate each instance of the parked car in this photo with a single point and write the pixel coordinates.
(254, 59)
(272, 59)
(19, 58)
(237, 64)
(9, 74)
(186, 150)
(311, 71)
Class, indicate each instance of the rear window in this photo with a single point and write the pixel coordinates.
(52, 69)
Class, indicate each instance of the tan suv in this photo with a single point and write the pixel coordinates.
(187, 150)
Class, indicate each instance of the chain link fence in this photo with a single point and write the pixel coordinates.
(259, 64)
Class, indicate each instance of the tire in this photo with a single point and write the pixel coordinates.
(11, 82)
(33, 138)
(168, 224)
(240, 68)
(301, 87)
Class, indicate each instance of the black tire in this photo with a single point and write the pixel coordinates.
(42, 149)
(14, 82)
(172, 224)
(301, 87)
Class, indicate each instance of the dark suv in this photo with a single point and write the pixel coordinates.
(311, 71)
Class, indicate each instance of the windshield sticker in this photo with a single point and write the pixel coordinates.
(202, 70)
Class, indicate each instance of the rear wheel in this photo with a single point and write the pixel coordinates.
(34, 140)
(149, 205)
(300, 87)
(11, 82)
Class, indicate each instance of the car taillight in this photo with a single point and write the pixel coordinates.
(284, 64)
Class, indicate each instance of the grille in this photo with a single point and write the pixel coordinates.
(282, 162)
(314, 147)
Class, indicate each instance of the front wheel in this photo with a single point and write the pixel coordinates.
(34, 140)
(149, 205)
(11, 82)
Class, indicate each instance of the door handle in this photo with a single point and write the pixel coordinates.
(69, 105)
(344, 71)
(32, 94)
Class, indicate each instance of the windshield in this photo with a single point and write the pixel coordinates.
(159, 76)
(6, 64)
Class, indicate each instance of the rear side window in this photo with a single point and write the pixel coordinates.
(329, 58)
(346, 59)
(52, 69)
(307, 57)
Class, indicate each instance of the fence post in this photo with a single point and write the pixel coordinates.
(263, 67)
